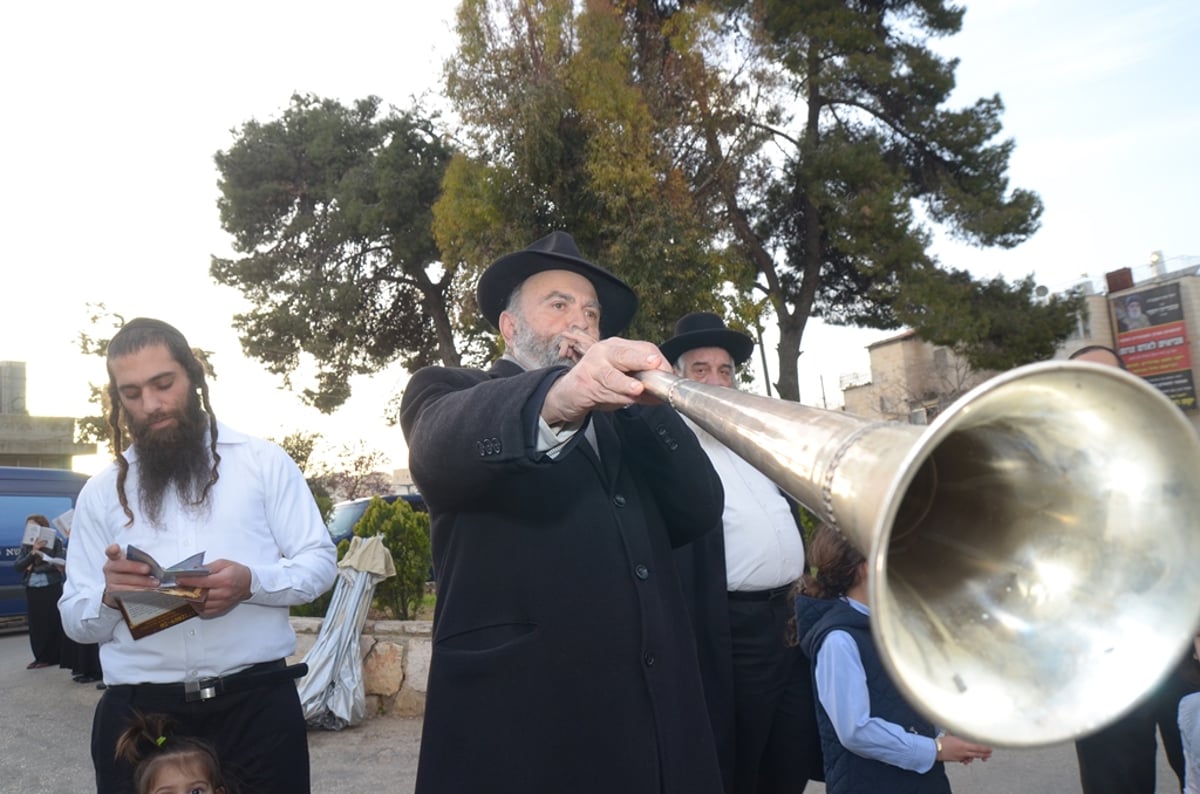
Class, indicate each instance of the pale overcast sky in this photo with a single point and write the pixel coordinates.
(114, 111)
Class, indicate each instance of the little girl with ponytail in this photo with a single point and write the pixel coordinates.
(165, 762)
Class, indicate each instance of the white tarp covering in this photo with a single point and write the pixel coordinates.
(332, 693)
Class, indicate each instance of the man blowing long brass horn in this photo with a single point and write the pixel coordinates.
(1032, 553)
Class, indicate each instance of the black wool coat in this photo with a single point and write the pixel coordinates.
(563, 659)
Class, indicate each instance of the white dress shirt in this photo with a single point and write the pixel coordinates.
(260, 513)
(763, 547)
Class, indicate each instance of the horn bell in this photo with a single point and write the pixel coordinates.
(1033, 553)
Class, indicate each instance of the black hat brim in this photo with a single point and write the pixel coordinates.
(618, 302)
(737, 344)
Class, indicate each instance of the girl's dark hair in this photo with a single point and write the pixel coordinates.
(38, 519)
(831, 568)
(833, 564)
(136, 334)
(150, 743)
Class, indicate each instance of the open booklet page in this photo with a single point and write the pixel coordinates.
(192, 566)
(35, 532)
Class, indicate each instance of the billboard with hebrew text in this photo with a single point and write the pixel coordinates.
(1152, 339)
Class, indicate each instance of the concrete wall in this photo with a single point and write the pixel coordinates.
(34, 441)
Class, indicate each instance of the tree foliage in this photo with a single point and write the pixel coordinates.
(872, 154)
(773, 160)
(990, 322)
(355, 472)
(809, 146)
(330, 207)
(559, 137)
(93, 341)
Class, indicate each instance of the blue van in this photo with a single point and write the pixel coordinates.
(50, 492)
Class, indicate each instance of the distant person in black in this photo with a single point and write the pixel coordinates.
(43, 587)
(1122, 758)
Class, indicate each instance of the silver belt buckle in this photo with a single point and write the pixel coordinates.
(199, 689)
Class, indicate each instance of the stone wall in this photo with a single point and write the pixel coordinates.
(395, 656)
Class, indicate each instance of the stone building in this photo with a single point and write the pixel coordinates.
(911, 381)
(46, 442)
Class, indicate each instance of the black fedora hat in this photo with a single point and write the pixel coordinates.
(555, 251)
(705, 329)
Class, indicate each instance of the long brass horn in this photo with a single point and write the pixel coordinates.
(1034, 554)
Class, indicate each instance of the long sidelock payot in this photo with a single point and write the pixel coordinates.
(1033, 552)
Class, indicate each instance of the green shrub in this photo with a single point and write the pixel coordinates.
(406, 535)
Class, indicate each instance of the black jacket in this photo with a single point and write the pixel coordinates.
(27, 562)
(562, 659)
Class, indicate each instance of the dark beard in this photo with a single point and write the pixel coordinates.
(175, 457)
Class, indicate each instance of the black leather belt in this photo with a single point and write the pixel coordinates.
(254, 676)
(759, 595)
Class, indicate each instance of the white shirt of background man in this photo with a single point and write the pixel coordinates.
(763, 547)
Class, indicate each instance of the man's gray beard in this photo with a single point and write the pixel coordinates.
(536, 352)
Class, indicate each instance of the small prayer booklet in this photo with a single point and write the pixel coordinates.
(192, 566)
(35, 532)
(150, 611)
(63, 522)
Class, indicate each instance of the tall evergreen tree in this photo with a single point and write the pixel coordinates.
(330, 207)
(870, 157)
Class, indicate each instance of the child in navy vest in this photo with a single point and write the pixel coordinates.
(872, 739)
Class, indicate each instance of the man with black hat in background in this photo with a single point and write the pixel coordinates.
(563, 659)
(759, 688)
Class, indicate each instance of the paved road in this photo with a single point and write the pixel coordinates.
(47, 721)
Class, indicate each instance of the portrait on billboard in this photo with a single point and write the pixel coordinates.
(1132, 317)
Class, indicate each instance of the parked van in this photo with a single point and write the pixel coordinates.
(50, 492)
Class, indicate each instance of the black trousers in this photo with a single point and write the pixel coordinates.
(81, 658)
(1123, 757)
(259, 735)
(777, 747)
(45, 624)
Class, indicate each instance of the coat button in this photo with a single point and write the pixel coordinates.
(648, 658)
(641, 571)
(619, 500)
